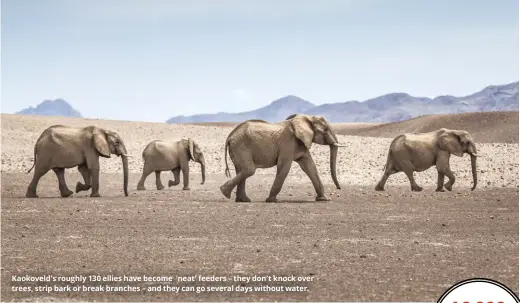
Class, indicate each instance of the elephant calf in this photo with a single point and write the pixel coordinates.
(417, 152)
(161, 155)
(60, 147)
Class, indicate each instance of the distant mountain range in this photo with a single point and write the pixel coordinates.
(387, 108)
(58, 107)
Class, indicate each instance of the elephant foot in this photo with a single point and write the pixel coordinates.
(172, 183)
(95, 195)
(186, 188)
(66, 193)
(323, 198)
(272, 200)
(160, 187)
(417, 188)
(242, 199)
(448, 186)
(226, 192)
(379, 188)
(141, 187)
(31, 194)
(81, 187)
(440, 190)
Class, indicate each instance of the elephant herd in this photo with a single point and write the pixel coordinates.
(252, 144)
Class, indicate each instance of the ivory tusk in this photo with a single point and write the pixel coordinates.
(339, 145)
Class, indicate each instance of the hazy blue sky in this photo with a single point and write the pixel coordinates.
(150, 60)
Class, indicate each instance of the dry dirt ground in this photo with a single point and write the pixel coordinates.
(363, 245)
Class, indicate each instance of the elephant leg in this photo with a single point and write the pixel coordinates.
(282, 170)
(176, 176)
(443, 168)
(39, 171)
(413, 184)
(158, 182)
(309, 167)
(408, 168)
(241, 190)
(440, 181)
(186, 177)
(451, 177)
(390, 170)
(245, 173)
(83, 170)
(146, 172)
(93, 167)
(64, 190)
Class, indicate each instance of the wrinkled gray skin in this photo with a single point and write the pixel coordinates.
(417, 152)
(161, 155)
(258, 144)
(61, 147)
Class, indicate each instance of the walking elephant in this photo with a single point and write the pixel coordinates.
(60, 147)
(258, 144)
(161, 155)
(417, 152)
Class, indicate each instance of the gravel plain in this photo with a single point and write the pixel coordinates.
(363, 245)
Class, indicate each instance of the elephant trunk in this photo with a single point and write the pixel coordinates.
(124, 159)
(333, 159)
(203, 171)
(474, 170)
(472, 151)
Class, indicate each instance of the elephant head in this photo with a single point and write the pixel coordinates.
(197, 156)
(316, 129)
(108, 142)
(458, 142)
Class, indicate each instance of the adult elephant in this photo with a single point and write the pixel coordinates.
(417, 152)
(60, 147)
(258, 144)
(161, 155)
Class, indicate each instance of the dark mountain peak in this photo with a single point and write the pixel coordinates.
(57, 107)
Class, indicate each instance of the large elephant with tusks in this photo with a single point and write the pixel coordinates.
(259, 144)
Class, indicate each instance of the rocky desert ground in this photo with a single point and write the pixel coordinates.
(363, 245)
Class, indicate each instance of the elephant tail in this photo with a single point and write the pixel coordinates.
(34, 161)
(388, 158)
(227, 172)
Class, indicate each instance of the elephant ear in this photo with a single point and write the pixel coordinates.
(303, 129)
(191, 147)
(450, 143)
(101, 144)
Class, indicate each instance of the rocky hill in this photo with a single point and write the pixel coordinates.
(383, 109)
(57, 107)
